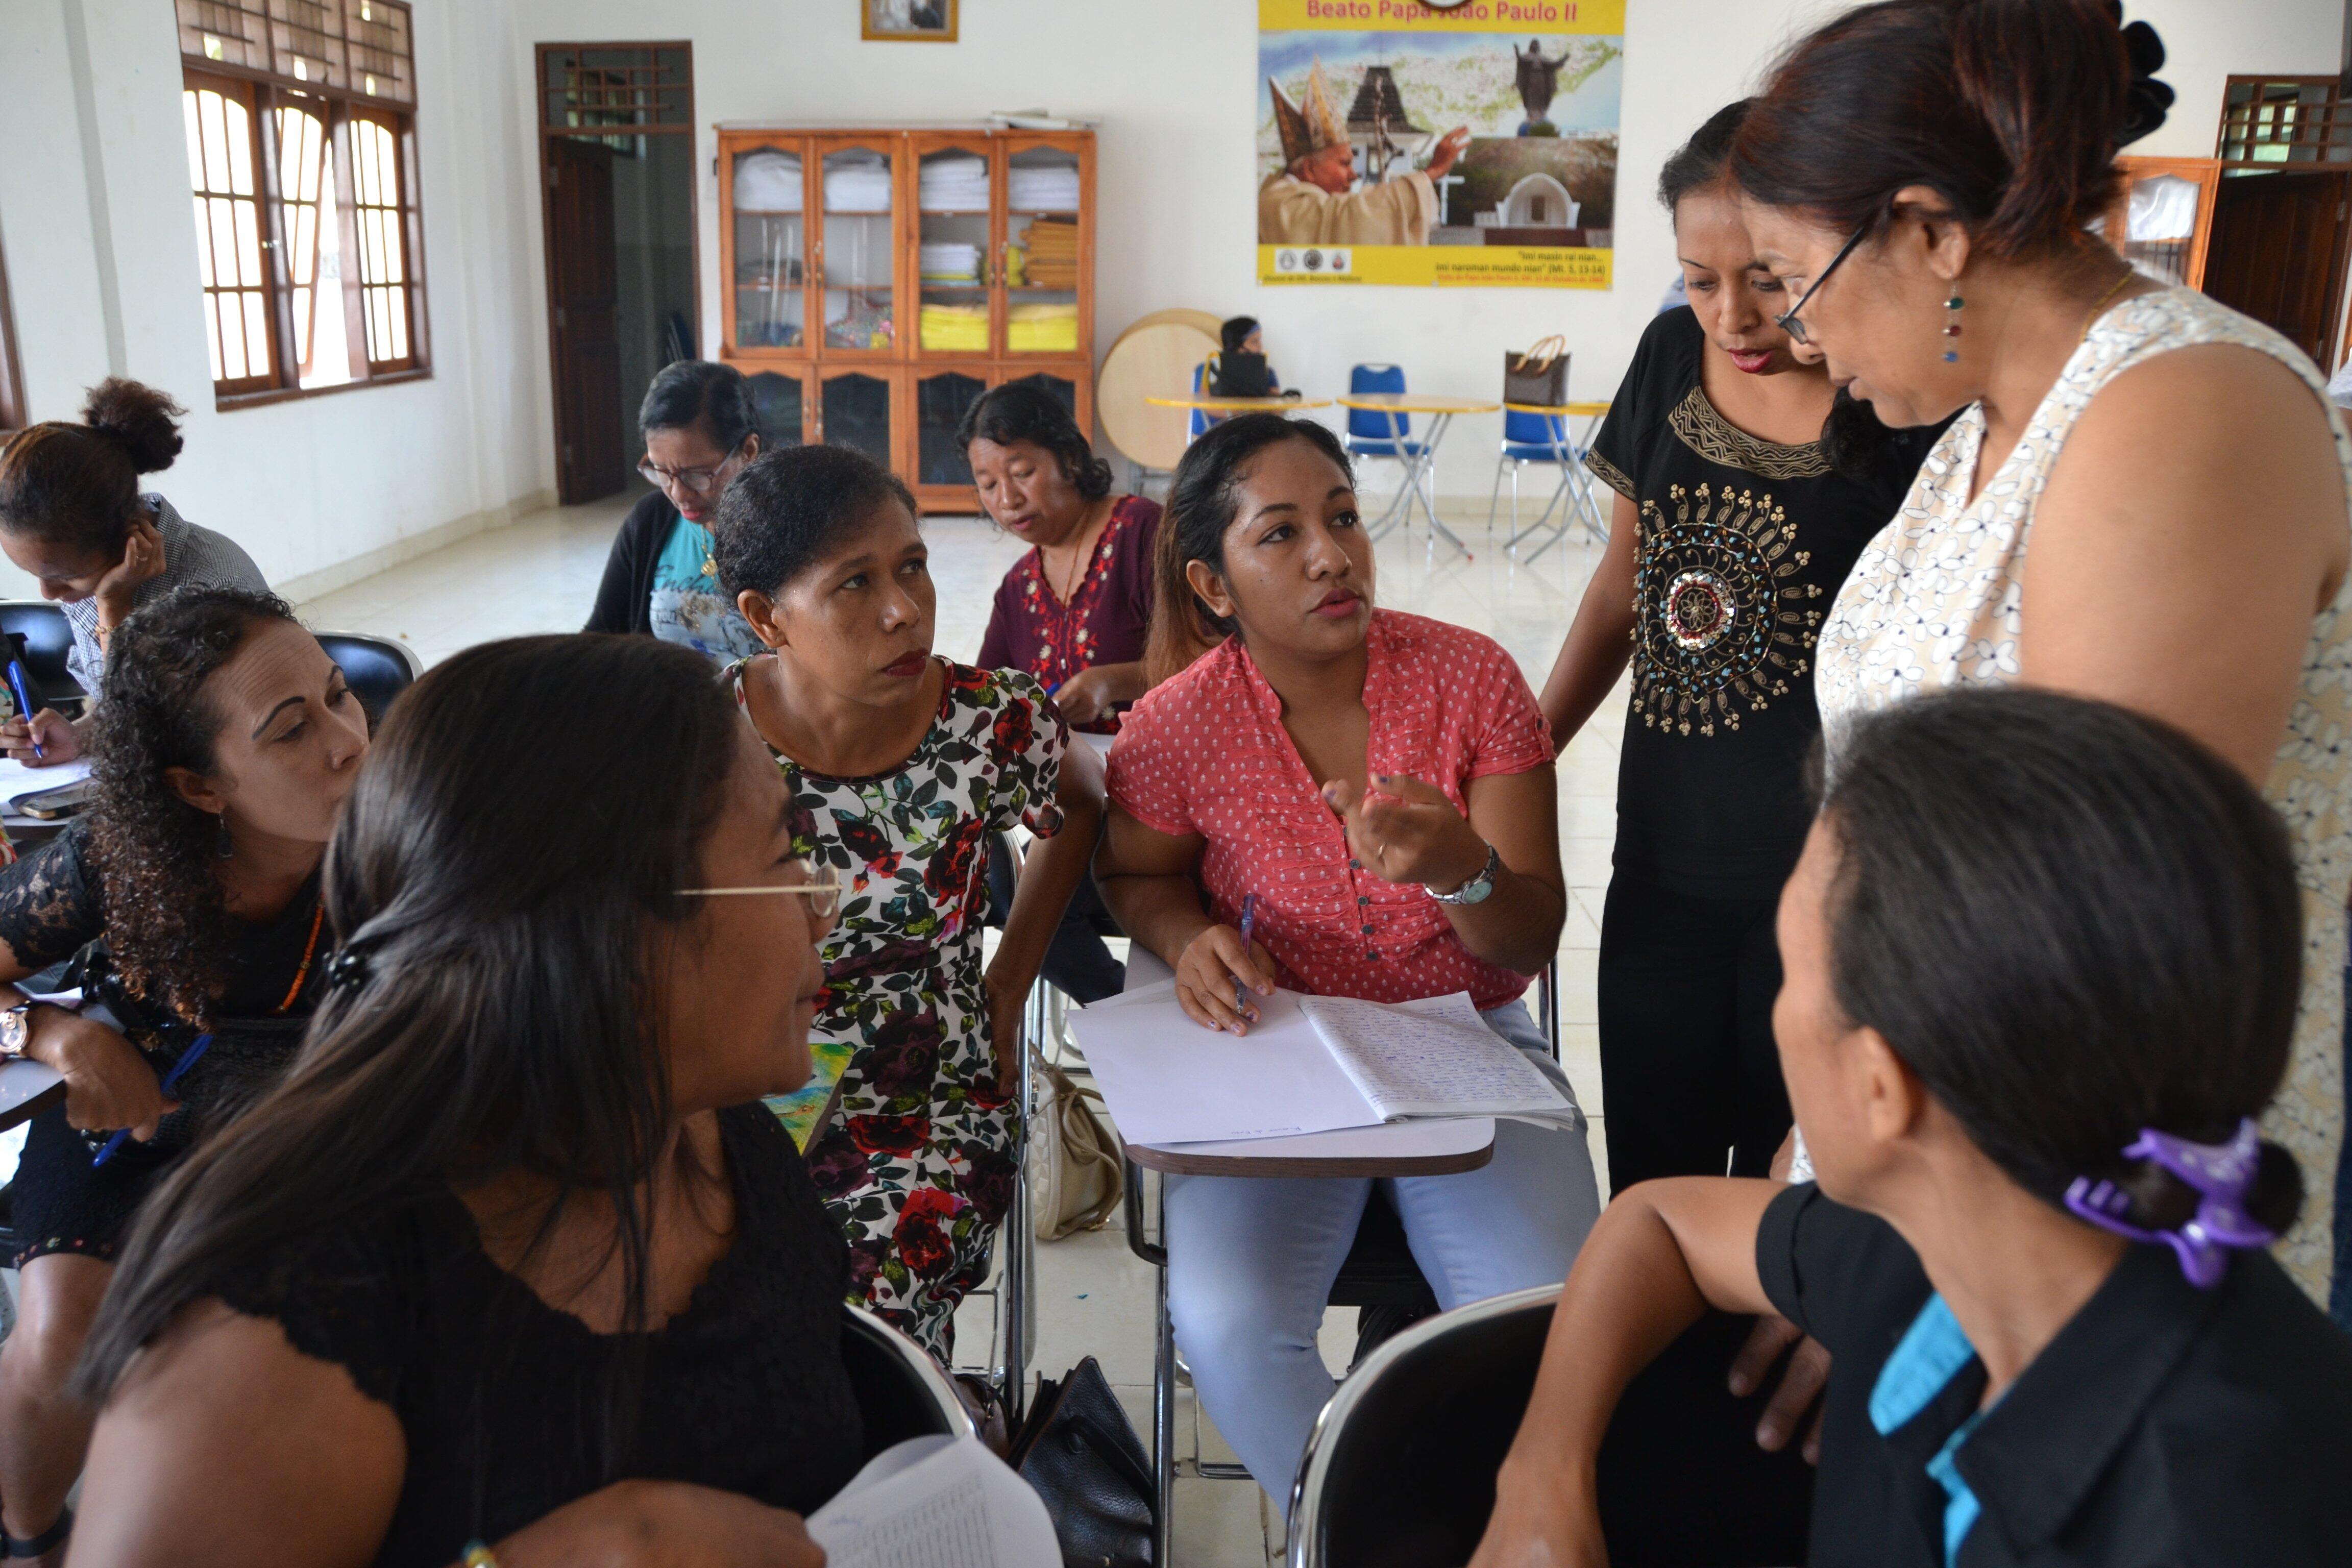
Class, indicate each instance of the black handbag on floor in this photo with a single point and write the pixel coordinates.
(1081, 1454)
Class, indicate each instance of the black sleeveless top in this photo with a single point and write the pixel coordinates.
(504, 1400)
(1744, 544)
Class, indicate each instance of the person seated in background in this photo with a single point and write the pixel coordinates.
(513, 1256)
(1242, 335)
(188, 897)
(2042, 957)
(1074, 612)
(901, 763)
(699, 428)
(71, 516)
(1381, 785)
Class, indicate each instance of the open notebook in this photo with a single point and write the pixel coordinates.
(1310, 1064)
(935, 1502)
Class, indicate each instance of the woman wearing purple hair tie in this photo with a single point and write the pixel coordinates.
(2042, 962)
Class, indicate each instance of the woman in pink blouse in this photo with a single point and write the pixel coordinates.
(1383, 784)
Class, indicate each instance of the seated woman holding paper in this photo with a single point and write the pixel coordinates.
(514, 1255)
(188, 898)
(2042, 960)
(1379, 786)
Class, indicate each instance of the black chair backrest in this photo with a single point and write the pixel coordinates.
(901, 1392)
(1401, 1470)
(378, 668)
(46, 638)
(1380, 1270)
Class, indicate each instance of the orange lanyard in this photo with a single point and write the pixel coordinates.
(310, 950)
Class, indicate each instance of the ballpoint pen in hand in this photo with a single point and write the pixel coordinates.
(1249, 920)
(25, 704)
(188, 1058)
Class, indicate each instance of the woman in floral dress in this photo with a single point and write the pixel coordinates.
(904, 763)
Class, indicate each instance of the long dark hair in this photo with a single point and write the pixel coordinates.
(2009, 109)
(2072, 921)
(168, 931)
(77, 484)
(499, 880)
(701, 393)
(1202, 500)
(1857, 443)
(1021, 411)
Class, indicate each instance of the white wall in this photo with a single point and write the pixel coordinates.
(102, 266)
(101, 248)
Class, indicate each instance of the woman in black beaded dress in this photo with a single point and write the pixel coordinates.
(188, 904)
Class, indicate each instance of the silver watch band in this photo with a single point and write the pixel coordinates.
(1477, 886)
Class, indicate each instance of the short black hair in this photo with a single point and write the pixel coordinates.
(2072, 921)
(1236, 331)
(700, 392)
(1706, 159)
(1024, 411)
(788, 506)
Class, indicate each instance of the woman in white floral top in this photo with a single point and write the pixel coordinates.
(904, 763)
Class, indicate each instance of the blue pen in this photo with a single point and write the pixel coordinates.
(1249, 921)
(188, 1058)
(23, 702)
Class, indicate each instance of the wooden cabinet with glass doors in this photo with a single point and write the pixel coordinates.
(877, 281)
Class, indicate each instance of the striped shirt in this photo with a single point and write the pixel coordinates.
(191, 554)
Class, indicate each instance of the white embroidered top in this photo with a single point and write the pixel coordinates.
(1933, 603)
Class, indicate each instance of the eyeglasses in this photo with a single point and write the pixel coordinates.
(823, 894)
(1787, 320)
(698, 480)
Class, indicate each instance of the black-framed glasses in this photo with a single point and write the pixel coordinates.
(698, 480)
(1787, 320)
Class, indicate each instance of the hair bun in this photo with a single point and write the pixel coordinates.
(143, 421)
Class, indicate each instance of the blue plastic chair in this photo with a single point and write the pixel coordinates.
(1543, 439)
(1202, 417)
(1370, 432)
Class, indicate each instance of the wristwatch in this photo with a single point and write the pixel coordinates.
(15, 1028)
(1475, 890)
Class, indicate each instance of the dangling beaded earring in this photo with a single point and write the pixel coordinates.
(1952, 328)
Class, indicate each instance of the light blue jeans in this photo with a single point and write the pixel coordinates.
(1251, 1261)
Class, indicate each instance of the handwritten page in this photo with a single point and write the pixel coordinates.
(17, 780)
(935, 1502)
(1166, 1080)
(1432, 1059)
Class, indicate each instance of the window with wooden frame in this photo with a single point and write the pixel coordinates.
(302, 163)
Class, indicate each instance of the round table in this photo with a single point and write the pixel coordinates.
(1582, 505)
(1418, 457)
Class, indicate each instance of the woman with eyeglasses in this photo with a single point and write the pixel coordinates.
(1746, 488)
(2145, 498)
(512, 1266)
(699, 428)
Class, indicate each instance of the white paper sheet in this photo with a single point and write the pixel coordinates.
(1166, 1080)
(1430, 1136)
(17, 780)
(1432, 1057)
(935, 1502)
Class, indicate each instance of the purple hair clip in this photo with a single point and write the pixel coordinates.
(2222, 1172)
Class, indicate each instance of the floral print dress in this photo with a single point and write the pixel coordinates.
(912, 1141)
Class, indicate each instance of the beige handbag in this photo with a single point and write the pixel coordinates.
(1074, 1158)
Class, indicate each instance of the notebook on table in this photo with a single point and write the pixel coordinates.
(1310, 1064)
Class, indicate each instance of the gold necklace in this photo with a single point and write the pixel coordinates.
(1084, 555)
(2114, 289)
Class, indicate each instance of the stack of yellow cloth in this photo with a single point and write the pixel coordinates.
(1053, 247)
(1042, 329)
(957, 329)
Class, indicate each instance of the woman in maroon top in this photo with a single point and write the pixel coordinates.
(1073, 613)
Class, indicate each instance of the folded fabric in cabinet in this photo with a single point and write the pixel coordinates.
(768, 182)
(856, 183)
(950, 263)
(1050, 189)
(954, 329)
(1042, 328)
(953, 185)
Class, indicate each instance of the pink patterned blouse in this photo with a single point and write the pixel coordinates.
(1103, 623)
(1206, 753)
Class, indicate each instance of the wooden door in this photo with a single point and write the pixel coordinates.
(859, 406)
(1046, 257)
(582, 290)
(2278, 253)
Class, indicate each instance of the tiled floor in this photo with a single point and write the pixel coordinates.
(1094, 1296)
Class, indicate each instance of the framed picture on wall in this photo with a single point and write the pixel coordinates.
(911, 21)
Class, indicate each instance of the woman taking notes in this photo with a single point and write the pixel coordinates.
(189, 896)
(514, 1255)
(1381, 786)
(2042, 962)
(900, 763)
